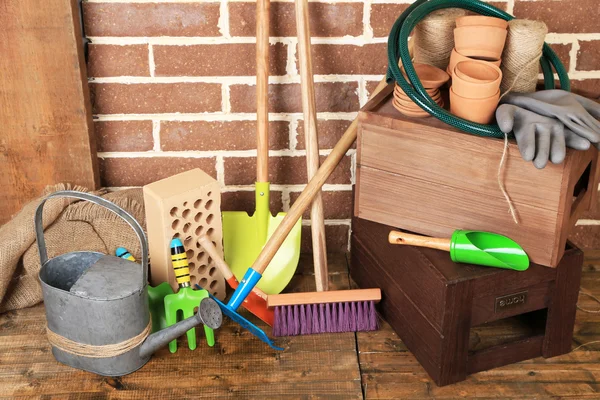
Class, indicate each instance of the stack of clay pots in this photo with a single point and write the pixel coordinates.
(474, 67)
(432, 78)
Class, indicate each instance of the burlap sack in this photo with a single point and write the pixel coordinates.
(69, 225)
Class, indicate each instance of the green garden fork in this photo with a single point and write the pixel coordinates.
(186, 299)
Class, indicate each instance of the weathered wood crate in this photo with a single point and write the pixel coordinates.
(427, 177)
(432, 303)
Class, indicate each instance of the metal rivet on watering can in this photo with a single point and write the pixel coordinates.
(97, 304)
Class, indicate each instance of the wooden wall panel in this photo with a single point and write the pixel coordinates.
(45, 114)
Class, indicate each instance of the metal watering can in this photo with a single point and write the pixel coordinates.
(97, 304)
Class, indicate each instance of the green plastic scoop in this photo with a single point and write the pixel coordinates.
(471, 247)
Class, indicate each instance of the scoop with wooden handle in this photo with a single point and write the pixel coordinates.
(471, 247)
(256, 302)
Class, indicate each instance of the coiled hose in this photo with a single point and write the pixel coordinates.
(398, 50)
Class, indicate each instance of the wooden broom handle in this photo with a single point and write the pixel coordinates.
(334, 296)
(262, 90)
(396, 237)
(213, 253)
(317, 218)
(309, 192)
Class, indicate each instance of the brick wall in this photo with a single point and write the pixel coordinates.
(172, 86)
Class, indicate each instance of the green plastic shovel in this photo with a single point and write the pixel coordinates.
(471, 247)
(244, 236)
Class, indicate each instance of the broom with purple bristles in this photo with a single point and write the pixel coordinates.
(324, 312)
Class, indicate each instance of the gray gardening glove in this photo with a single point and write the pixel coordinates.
(576, 112)
(539, 138)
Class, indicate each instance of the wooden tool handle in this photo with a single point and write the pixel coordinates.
(335, 296)
(213, 253)
(308, 194)
(396, 237)
(309, 109)
(262, 90)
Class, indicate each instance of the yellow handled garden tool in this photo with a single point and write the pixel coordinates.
(244, 236)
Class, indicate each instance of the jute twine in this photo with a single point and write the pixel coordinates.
(522, 52)
(589, 312)
(94, 351)
(434, 37)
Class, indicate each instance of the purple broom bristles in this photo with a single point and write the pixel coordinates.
(315, 318)
(325, 318)
(277, 326)
(333, 321)
(321, 319)
(303, 325)
(352, 317)
(359, 316)
(346, 318)
(372, 316)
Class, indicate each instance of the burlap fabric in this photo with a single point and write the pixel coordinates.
(69, 225)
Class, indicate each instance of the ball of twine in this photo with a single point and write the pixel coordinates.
(522, 53)
(434, 37)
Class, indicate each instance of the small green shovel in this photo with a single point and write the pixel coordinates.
(471, 247)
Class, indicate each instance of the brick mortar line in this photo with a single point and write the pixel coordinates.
(360, 40)
(330, 222)
(156, 135)
(248, 80)
(151, 64)
(247, 1)
(588, 222)
(251, 188)
(367, 28)
(293, 138)
(573, 57)
(274, 80)
(225, 98)
(328, 187)
(210, 154)
(558, 38)
(220, 169)
(223, 22)
(510, 6)
(222, 117)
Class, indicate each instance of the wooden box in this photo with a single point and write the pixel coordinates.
(433, 303)
(427, 177)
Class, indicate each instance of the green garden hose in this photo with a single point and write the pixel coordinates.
(398, 50)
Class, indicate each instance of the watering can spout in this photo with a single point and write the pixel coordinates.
(208, 314)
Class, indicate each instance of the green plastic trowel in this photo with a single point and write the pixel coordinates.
(471, 247)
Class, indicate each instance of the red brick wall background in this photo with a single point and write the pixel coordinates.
(172, 86)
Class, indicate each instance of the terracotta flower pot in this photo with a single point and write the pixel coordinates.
(476, 79)
(456, 57)
(470, 20)
(409, 112)
(401, 95)
(408, 103)
(475, 110)
(477, 71)
(399, 90)
(431, 77)
(483, 42)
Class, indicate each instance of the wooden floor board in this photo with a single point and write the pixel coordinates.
(373, 365)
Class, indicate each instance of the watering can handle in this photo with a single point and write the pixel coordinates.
(39, 227)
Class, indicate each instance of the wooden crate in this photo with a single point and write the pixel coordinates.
(432, 303)
(427, 177)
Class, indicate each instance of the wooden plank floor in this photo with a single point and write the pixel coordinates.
(373, 365)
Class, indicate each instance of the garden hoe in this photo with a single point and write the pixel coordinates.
(256, 302)
(244, 236)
